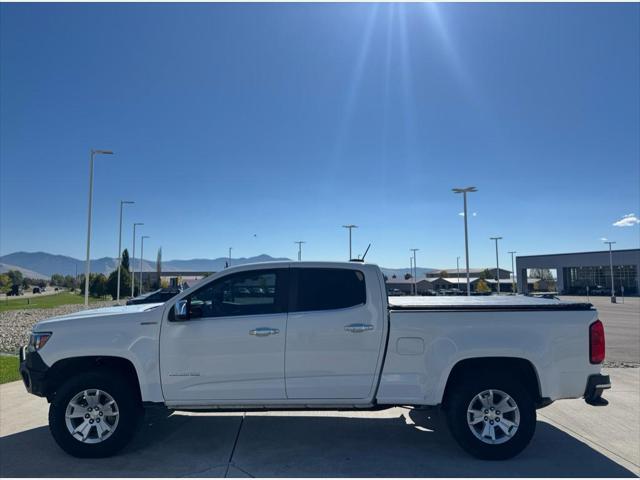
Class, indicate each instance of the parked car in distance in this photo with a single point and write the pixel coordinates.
(15, 291)
(157, 296)
(600, 290)
(36, 290)
(328, 337)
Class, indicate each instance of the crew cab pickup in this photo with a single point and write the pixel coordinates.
(315, 335)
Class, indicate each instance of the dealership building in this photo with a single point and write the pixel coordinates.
(453, 279)
(577, 272)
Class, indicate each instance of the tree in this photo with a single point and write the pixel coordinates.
(547, 281)
(125, 260)
(482, 287)
(15, 276)
(5, 282)
(443, 274)
(36, 282)
(112, 283)
(69, 282)
(541, 273)
(57, 280)
(407, 276)
(485, 274)
(97, 285)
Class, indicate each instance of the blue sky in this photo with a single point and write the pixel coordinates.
(287, 121)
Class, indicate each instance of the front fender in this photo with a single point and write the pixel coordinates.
(131, 337)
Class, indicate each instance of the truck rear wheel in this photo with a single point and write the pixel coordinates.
(491, 417)
(94, 415)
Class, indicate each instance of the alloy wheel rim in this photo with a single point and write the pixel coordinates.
(493, 416)
(92, 416)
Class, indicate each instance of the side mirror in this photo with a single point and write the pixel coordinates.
(182, 309)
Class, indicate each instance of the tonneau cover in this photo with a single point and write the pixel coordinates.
(493, 302)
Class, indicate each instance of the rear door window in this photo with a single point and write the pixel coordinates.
(327, 289)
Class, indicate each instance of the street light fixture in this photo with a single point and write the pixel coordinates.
(495, 239)
(613, 289)
(133, 261)
(415, 270)
(350, 227)
(122, 202)
(464, 192)
(300, 242)
(142, 258)
(87, 269)
(514, 288)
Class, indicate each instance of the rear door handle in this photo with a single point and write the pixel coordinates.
(358, 327)
(264, 331)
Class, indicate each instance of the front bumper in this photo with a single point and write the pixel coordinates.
(33, 372)
(596, 384)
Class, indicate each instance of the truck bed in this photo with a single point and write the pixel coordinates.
(494, 302)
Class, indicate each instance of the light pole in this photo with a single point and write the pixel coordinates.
(514, 287)
(133, 261)
(87, 269)
(230, 248)
(122, 202)
(142, 258)
(495, 239)
(350, 227)
(613, 288)
(464, 192)
(415, 270)
(300, 242)
(458, 274)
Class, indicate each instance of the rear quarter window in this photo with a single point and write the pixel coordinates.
(327, 289)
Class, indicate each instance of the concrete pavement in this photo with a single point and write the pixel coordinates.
(572, 440)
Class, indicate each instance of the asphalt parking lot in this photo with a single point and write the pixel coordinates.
(572, 440)
(621, 324)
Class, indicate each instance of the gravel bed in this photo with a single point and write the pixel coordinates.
(15, 325)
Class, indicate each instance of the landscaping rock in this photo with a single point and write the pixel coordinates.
(15, 325)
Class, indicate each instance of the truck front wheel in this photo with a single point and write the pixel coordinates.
(94, 415)
(491, 417)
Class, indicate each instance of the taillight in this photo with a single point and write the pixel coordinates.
(596, 342)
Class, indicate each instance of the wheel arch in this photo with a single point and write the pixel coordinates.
(518, 367)
(68, 367)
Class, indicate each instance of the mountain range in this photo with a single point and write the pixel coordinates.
(43, 265)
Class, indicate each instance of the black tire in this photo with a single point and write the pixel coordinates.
(459, 399)
(129, 408)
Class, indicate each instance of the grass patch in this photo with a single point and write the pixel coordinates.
(9, 369)
(45, 301)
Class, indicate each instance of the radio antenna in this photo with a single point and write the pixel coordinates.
(365, 252)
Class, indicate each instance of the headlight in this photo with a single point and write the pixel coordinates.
(39, 339)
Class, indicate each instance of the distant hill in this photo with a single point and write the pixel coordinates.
(43, 265)
(5, 267)
(400, 272)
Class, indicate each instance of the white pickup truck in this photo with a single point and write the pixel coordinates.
(315, 335)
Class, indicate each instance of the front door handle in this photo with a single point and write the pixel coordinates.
(264, 331)
(358, 327)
